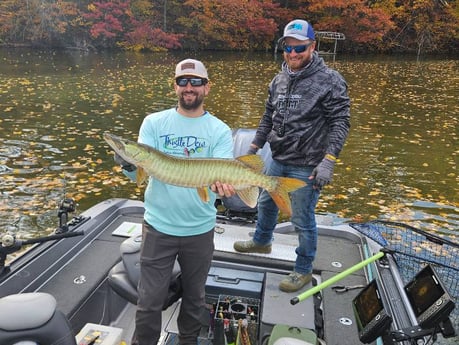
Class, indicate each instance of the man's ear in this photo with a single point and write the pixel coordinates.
(207, 88)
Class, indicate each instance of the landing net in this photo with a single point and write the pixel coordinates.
(414, 248)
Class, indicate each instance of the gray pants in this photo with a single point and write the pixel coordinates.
(158, 254)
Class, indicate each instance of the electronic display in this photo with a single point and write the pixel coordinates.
(371, 316)
(429, 299)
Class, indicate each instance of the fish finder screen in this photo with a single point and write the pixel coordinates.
(368, 304)
(424, 291)
(372, 319)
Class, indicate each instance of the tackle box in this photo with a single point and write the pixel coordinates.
(228, 281)
(235, 317)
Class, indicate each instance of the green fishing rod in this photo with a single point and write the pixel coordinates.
(336, 278)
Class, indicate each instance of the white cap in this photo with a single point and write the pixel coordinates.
(191, 67)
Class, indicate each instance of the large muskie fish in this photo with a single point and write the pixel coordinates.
(243, 173)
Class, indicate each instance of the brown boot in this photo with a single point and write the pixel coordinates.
(294, 282)
(251, 247)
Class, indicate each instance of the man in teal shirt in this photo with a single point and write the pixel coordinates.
(177, 223)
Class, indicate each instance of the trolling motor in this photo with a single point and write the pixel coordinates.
(10, 244)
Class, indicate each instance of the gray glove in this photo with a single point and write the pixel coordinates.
(124, 164)
(323, 173)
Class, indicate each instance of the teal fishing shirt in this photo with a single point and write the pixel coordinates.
(179, 211)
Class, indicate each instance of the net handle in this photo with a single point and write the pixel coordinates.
(336, 278)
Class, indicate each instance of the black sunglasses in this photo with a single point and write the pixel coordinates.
(193, 81)
(297, 49)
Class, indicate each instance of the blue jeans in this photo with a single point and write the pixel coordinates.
(304, 201)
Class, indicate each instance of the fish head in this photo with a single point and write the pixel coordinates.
(119, 145)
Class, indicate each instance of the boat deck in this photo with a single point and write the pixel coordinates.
(232, 271)
(76, 271)
(335, 254)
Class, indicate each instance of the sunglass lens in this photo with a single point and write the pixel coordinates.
(181, 81)
(193, 81)
(297, 49)
(196, 81)
(300, 49)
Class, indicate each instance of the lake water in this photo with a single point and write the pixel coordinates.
(399, 163)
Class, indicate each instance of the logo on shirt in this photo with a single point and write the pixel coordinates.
(285, 103)
(184, 145)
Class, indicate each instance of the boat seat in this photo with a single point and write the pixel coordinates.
(33, 318)
(242, 138)
(124, 276)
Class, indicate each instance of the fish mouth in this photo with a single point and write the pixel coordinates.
(115, 142)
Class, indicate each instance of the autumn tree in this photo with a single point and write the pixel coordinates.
(144, 37)
(363, 25)
(38, 22)
(369, 25)
(423, 25)
(229, 24)
(108, 21)
(128, 24)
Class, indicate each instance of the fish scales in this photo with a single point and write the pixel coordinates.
(243, 173)
(188, 172)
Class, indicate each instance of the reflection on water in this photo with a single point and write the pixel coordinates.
(400, 161)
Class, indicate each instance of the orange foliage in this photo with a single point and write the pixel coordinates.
(369, 25)
(231, 24)
(360, 23)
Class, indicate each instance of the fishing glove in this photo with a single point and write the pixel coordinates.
(124, 164)
(324, 171)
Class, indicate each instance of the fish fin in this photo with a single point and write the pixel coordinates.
(141, 176)
(203, 193)
(253, 161)
(249, 196)
(280, 195)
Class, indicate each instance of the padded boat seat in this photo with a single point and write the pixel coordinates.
(242, 138)
(33, 317)
(124, 276)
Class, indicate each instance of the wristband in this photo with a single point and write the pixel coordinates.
(330, 157)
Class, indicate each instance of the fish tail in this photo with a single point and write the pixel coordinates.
(285, 185)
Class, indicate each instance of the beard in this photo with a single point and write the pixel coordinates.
(191, 104)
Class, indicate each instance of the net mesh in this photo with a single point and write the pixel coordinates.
(414, 248)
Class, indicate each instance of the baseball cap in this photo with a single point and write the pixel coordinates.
(299, 29)
(191, 67)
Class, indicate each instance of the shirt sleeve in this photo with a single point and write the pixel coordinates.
(224, 144)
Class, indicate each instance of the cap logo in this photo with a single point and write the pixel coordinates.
(187, 65)
(295, 26)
